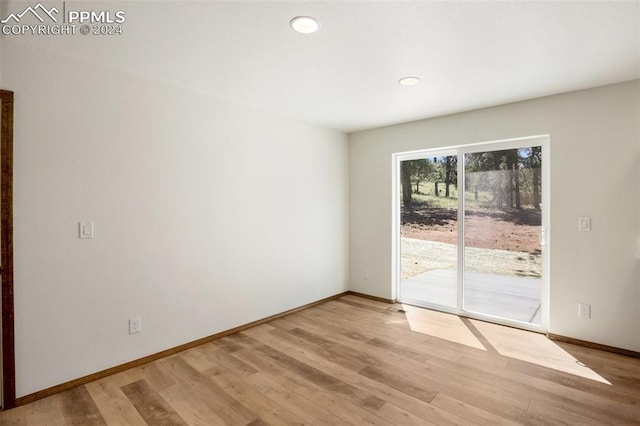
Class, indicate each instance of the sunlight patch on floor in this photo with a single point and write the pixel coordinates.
(441, 325)
(534, 348)
(513, 343)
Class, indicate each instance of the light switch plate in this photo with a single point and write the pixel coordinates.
(86, 229)
(584, 224)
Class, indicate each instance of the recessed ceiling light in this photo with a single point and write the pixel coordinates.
(304, 24)
(408, 81)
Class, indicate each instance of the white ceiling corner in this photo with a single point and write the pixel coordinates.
(468, 55)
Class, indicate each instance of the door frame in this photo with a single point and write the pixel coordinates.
(397, 218)
(6, 253)
(460, 151)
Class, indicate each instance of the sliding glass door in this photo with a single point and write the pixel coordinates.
(429, 230)
(503, 233)
(471, 230)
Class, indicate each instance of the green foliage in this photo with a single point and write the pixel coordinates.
(504, 180)
(511, 177)
(430, 172)
(427, 195)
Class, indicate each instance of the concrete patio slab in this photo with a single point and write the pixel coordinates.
(514, 298)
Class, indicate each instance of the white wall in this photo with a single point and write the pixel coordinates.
(207, 215)
(595, 171)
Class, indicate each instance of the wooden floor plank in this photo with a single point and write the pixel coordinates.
(115, 407)
(345, 409)
(194, 411)
(202, 389)
(331, 384)
(398, 416)
(357, 361)
(152, 408)
(398, 389)
(304, 408)
(399, 383)
(470, 412)
(47, 411)
(561, 416)
(266, 408)
(80, 409)
(334, 364)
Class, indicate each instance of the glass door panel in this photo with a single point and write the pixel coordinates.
(429, 231)
(502, 274)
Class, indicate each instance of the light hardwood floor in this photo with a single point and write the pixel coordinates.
(358, 361)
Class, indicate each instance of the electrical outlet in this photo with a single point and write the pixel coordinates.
(85, 229)
(584, 224)
(584, 310)
(135, 325)
(365, 274)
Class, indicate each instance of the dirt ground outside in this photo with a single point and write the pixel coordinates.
(504, 243)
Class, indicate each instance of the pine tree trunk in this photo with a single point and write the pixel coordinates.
(447, 176)
(535, 169)
(498, 188)
(509, 190)
(517, 179)
(405, 178)
(536, 190)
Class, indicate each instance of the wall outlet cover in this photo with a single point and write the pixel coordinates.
(584, 310)
(85, 229)
(584, 224)
(135, 325)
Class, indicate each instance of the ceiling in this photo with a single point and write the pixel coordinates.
(468, 55)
